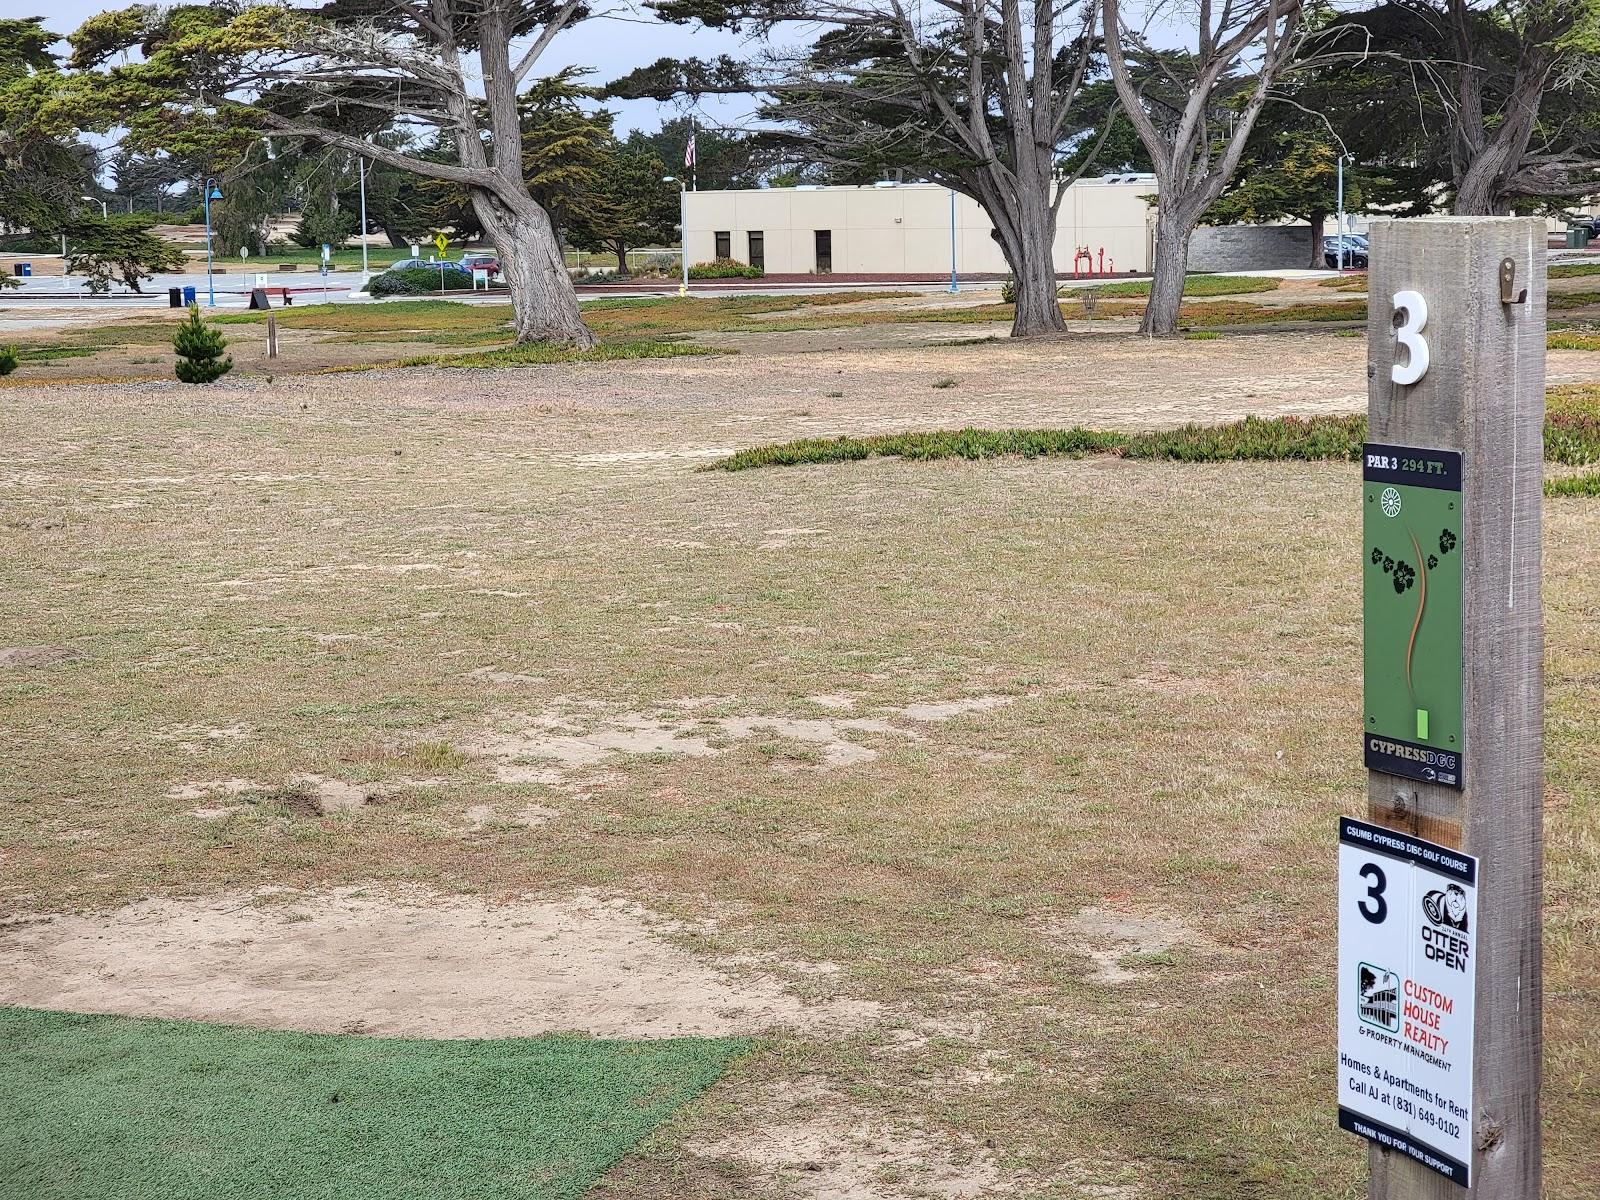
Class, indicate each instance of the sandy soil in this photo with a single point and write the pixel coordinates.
(1122, 382)
(414, 964)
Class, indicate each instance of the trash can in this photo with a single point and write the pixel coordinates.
(188, 296)
(1577, 237)
(23, 269)
(174, 298)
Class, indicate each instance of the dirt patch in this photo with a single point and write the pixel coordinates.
(308, 795)
(334, 795)
(944, 710)
(1119, 944)
(570, 740)
(481, 816)
(573, 737)
(814, 1142)
(494, 675)
(34, 656)
(413, 964)
(833, 700)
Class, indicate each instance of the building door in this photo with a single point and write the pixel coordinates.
(824, 251)
(724, 244)
(758, 249)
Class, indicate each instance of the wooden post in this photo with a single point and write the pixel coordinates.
(272, 336)
(1482, 394)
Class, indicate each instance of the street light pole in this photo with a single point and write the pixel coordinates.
(105, 213)
(953, 286)
(683, 228)
(212, 192)
(1340, 231)
(366, 274)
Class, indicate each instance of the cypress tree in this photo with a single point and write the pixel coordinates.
(199, 349)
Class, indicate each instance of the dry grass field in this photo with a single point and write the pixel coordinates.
(998, 799)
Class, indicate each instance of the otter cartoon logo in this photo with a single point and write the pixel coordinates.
(1447, 907)
(1445, 939)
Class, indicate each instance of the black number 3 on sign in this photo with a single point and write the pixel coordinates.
(1376, 882)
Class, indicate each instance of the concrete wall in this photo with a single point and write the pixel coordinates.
(1251, 247)
(906, 229)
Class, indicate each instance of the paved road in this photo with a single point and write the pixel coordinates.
(339, 288)
(231, 288)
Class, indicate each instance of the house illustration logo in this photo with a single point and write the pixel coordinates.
(1378, 997)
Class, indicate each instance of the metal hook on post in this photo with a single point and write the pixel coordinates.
(1508, 283)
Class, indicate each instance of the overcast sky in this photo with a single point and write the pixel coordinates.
(611, 47)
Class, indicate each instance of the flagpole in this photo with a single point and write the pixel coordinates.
(694, 164)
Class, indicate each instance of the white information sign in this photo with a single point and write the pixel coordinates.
(1408, 917)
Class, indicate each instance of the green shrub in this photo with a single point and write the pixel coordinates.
(1569, 339)
(959, 443)
(417, 281)
(724, 268)
(1198, 285)
(8, 359)
(532, 354)
(117, 249)
(199, 349)
(1202, 335)
(1571, 438)
(1008, 290)
(1574, 485)
(1254, 438)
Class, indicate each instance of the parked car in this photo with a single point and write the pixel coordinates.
(482, 260)
(1355, 251)
(451, 269)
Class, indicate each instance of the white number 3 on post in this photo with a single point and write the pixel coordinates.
(1408, 334)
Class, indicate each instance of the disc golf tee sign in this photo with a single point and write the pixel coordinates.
(1408, 919)
(1412, 605)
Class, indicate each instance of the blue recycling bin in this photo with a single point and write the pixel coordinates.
(188, 296)
(23, 269)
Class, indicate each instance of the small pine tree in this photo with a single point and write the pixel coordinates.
(199, 349)
(8, 359)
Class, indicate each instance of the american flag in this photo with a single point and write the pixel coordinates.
(688, 151)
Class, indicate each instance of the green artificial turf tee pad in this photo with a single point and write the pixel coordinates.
(117, 1108)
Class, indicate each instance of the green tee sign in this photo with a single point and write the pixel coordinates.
(1411, 576)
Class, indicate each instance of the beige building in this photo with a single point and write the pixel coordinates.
(906, 228)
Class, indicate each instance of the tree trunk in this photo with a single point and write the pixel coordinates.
(1319, 223)
(544, 307)
(1480, 191)
(1031, 255)
(395, 238)
(622, 259)
(1173, 230)
(1038, 309)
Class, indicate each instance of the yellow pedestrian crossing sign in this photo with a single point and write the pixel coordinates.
(441, 241)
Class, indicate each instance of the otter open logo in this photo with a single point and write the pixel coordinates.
(1445, 937)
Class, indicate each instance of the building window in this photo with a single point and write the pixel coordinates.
(758, 249)
(824, 251)
(724, 244)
